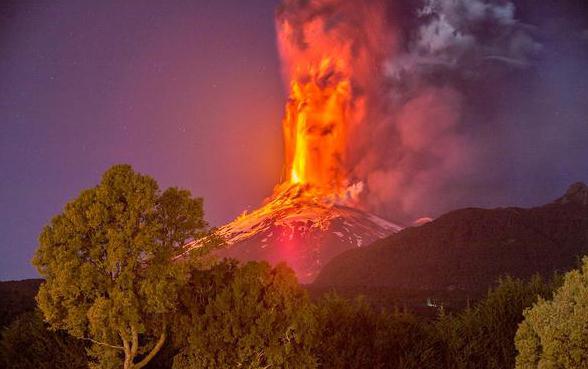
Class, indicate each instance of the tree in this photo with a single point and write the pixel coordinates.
(554, 333)
(27, 343)
(347, 333)
(252, 316)
(352, 334)
(483, 336)
(108, 263)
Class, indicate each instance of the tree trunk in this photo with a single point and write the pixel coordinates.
(153, 352)
(132, 349)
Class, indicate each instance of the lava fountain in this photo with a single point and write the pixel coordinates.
(319, 111)
(316, 126)
(311, 216)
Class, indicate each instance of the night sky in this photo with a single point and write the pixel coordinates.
(186, 91)
(190, 92)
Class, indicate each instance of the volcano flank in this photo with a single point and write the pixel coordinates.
(303, 228)
(313, 214)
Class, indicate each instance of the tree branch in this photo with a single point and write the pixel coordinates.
(135, 341)
(153, 352)
(127, 348)
(103, 344)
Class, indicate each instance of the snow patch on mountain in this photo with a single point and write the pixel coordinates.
(303, 229)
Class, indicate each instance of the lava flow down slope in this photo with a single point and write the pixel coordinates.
(315, 211)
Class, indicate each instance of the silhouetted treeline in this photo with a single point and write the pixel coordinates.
(17, 297)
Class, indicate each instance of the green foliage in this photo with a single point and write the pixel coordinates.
(28, 344)
(252, 316)
(483, 336)
(112, 278)
(109, 269)
(354, 335)
(554, 334)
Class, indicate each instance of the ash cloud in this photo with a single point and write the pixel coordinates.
(467, 102)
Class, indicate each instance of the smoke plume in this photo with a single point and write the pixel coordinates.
(431, 85)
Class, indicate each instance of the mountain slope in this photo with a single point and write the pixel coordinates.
(301, 227)
(469, 249)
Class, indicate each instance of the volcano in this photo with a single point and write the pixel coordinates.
(313, 214)
(301, 227)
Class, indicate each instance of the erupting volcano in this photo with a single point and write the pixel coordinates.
(314, 214)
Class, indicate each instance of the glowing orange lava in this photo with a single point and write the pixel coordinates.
(317, 117)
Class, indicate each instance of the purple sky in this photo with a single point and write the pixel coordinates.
(187, 91)
(190, 92)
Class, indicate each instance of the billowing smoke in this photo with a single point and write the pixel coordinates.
(330, 51)
(427, 137)
(432, 81)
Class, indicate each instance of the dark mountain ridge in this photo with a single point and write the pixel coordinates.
(17, 297)
(469, 249)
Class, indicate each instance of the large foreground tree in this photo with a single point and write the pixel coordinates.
(108, 264)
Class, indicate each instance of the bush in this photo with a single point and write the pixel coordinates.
(554, 333)
(253, 316)
(27, 343)
(351, 334)
(482, 337)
